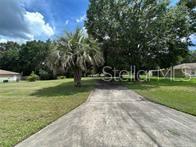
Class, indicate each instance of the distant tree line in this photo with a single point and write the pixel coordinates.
(26, 58)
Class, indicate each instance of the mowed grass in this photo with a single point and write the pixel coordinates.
(180, 95)
(26, 107)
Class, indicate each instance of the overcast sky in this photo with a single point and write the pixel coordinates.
(23, 20)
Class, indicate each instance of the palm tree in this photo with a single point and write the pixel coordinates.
(76, 52)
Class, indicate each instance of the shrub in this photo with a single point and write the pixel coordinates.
(5, 81)
(61, 77)
(33, 77)
(45, 75)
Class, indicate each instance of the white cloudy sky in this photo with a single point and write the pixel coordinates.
(23, 20)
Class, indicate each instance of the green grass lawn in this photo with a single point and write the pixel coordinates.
(180, 95)
(26, 107)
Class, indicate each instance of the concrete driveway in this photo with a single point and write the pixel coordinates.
(114, 116)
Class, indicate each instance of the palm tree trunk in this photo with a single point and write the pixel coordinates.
(136, 77)
(77, 77)
(136, 74)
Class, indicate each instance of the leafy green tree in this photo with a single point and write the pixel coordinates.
(174, 39)
(9, 56)
(191, 5)
(32, 56)
(139, 32)
(76, 52)
(191, 58)
(25, 58)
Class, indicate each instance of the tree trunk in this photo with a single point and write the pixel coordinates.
(77, 77)
(136, 75)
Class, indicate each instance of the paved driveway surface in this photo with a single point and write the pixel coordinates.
(114, 116)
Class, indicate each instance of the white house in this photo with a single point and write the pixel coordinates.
(181, 70)
(8, 76)
(188, 69)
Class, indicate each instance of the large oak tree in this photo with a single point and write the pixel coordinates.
(144, 33)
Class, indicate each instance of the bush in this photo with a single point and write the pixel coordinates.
(33, 77)
(5, 81)
(61, 77)
(45, 75)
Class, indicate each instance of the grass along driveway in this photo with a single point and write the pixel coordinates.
(180, 95)
(26, 107)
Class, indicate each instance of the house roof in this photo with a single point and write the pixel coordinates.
(186, 66)
(4, 72)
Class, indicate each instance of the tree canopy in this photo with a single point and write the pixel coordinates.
(191, 58)
(24, 58)
(143, 33)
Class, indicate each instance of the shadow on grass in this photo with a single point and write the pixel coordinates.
(65, 89)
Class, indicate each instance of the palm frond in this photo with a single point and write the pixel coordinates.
(75, 50)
